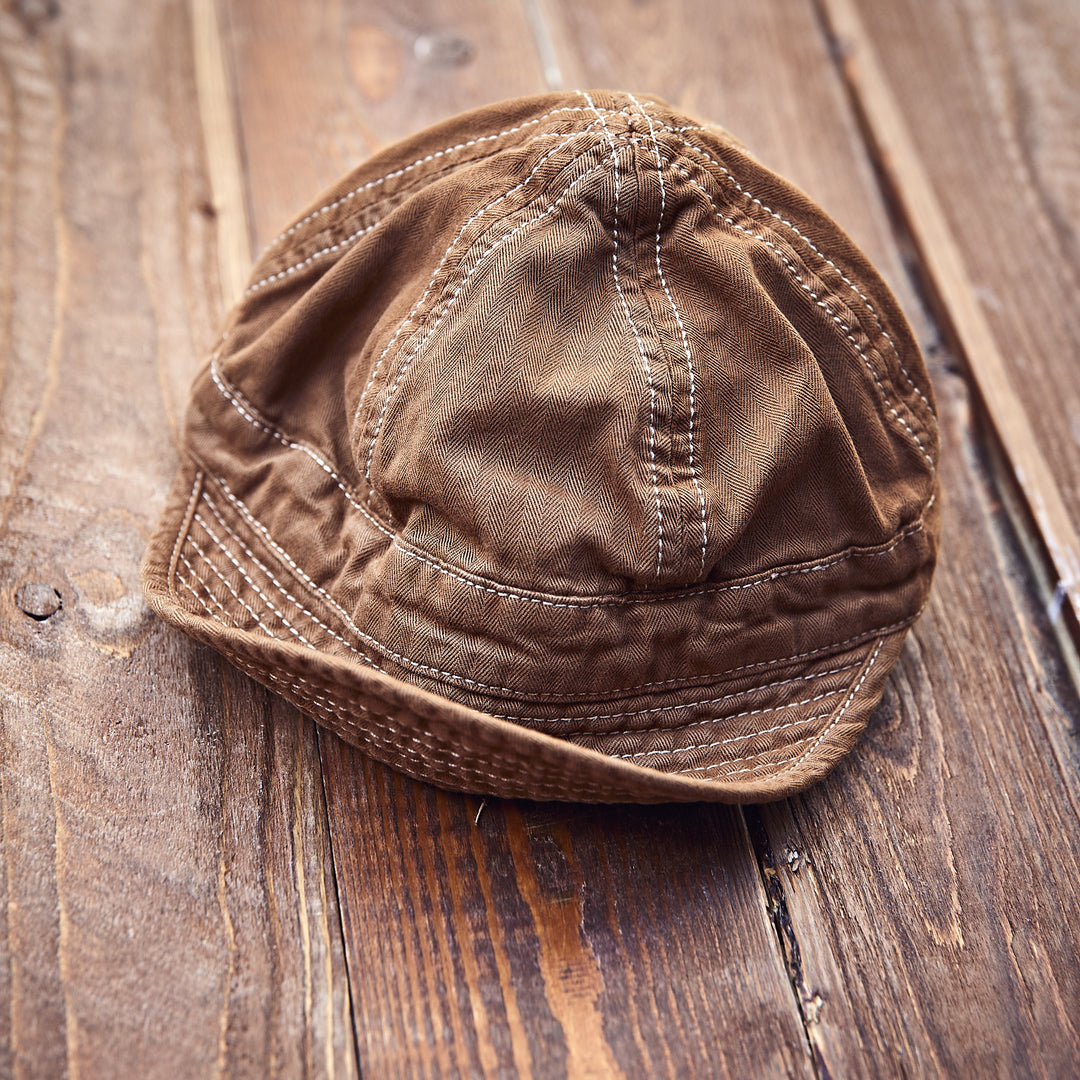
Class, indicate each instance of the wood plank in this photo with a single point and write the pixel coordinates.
(926, 893)
(932, 882)
(168, 905)
(545, 941)
(553, 940)
(1021, 352)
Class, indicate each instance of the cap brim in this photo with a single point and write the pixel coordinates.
(774, 737)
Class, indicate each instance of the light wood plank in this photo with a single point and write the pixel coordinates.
(168, 906)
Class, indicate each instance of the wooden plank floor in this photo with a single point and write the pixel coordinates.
(197, 881)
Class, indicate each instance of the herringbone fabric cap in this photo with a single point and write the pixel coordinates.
(563, 451)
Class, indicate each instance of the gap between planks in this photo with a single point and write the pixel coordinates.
(909, 189)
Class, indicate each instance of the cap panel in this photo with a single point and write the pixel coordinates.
(514, 438)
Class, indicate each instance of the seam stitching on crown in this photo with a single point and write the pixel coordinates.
(641, 345)
(682, 331)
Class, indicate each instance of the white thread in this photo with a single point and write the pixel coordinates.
(626, 599)
(689, 705)
(442, 262)
(259, 423)
(791, 763)
(280, 588)
(408, 168)
(637, 335)
(682, 329)
(202, 603)
(537, 719)
(718, 720)
(186, 516)
(507, 690)
(310, 259)
(684, 727)
(255, 418)
(240, 570)
(243, 509)
(821, 304)
(289, 270)
(453, 299)
(331, 714)
(249, 413)
(329, 709)
(266, 629)
(810, 244)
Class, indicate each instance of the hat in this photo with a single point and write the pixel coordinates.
(563, 451)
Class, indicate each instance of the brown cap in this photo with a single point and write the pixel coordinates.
(563, 451)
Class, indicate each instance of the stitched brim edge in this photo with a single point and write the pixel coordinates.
(443, 742)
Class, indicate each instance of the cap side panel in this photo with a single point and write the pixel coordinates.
(923, 414)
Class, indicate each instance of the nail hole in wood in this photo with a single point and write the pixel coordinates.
(38, 600)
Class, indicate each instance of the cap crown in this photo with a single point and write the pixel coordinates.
(563, 402)
(617, 377)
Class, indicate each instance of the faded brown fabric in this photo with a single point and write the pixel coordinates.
(563, 451)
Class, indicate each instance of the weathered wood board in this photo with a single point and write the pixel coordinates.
(186, 862)
(168, 899)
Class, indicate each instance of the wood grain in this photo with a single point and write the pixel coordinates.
(1016, 388)
(168, 901)
(551, 941)
(926, 893)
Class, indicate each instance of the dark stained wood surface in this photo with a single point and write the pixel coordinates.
(168, 900)
(187, 862)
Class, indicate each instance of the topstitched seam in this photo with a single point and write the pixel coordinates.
(293, 268)
(682, 329)
(246, 410)
(446, 309)
(406, 661)
(860, 348)
(637, 336)
(419, 161)
(525, 717)
(813, 247)
(442, 262)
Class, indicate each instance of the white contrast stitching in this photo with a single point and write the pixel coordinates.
(310, 259)
(587, 605)
(249, 413)
(243, 509)
(860, 348)
(538, 719)
(718, 720)
(280, 588)
(331, 713)
(202, 603)
(258, 592)
(682, 328)
(221, 577)
(637, 335)
(434, 277)
(810, 244)
(791, 763)
(186, 516)
(689, 705)
(446, 310)
(408, 168)
(289, 270)
(253, 417)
